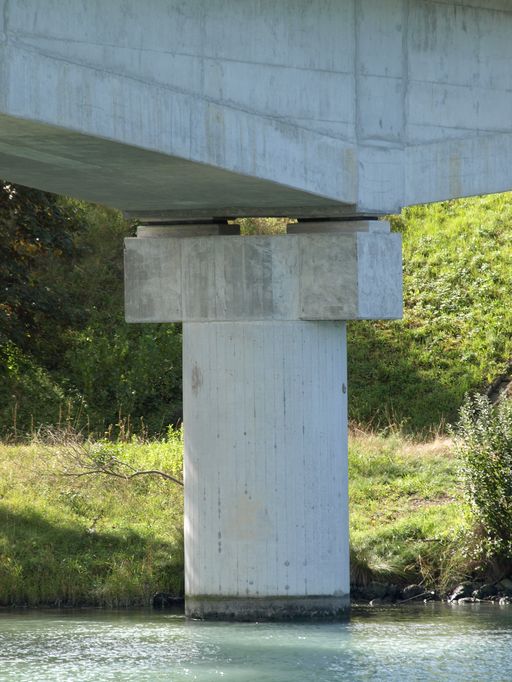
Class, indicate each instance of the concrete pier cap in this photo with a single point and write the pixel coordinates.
(265, 400)
(318, 271)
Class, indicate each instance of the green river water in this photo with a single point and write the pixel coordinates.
(429, 642)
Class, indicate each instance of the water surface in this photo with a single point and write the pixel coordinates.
(430, 642)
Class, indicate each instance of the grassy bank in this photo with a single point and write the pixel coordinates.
(455, 335)
(406, 512)
(93, 540)
(105, 541)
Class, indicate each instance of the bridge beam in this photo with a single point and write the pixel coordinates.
(265, 402)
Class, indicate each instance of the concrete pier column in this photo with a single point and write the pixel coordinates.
(266, 502)
(265, 401)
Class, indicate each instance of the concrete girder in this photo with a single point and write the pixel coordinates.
(217, 107)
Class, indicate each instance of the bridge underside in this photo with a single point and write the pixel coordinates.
(222, 106)
(144, 183)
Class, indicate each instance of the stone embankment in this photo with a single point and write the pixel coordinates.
(380, 594)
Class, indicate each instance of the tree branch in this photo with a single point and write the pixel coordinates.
(156, 472)
(81, 458)
(125, 477)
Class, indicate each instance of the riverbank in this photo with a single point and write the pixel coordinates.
(94, 540)
(406, 515)
(98, 540)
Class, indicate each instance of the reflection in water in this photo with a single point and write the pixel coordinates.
(431, 642)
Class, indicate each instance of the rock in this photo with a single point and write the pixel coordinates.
(412, 591)
(431, 596)
(466, 600)
(504, 601)
(357, 594)
(461, 591)
(372, 591)
(388, 593)
(394, 592)
(505, 586)
(162, 600)
(376, 602)
(377, 590)
(485, 592)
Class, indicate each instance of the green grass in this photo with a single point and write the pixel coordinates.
(406, 511)
(455, 335)
(93, 540)
(103, 541)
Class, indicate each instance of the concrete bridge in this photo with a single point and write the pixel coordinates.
(184, 113)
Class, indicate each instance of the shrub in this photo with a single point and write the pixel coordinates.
(483, 443)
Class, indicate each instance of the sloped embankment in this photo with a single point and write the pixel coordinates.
(455, 336)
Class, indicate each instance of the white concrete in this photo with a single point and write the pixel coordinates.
(222, 107)
(266, 501)
(319, 276)
(265, 403)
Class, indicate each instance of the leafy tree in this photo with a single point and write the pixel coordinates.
(36, 230)
(121, 374)
(66, 353)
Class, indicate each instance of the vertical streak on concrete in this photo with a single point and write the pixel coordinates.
(4, 21)
(266, 521)
(405, 68)
(357, 72)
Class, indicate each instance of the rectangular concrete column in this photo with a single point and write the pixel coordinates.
(266, 502)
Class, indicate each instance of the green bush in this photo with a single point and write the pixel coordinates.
(129, 376)
(483, 443)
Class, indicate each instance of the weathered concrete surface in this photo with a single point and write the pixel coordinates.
(267, 608)
(138, 180)
(222, 107)
(291, 277)
(197, 230)
(333, 226)
(265, 403)
(266, 501)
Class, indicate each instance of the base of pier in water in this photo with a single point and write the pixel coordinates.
(267, 608)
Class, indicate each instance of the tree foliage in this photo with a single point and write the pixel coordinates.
(36, 231)
(66, 353)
